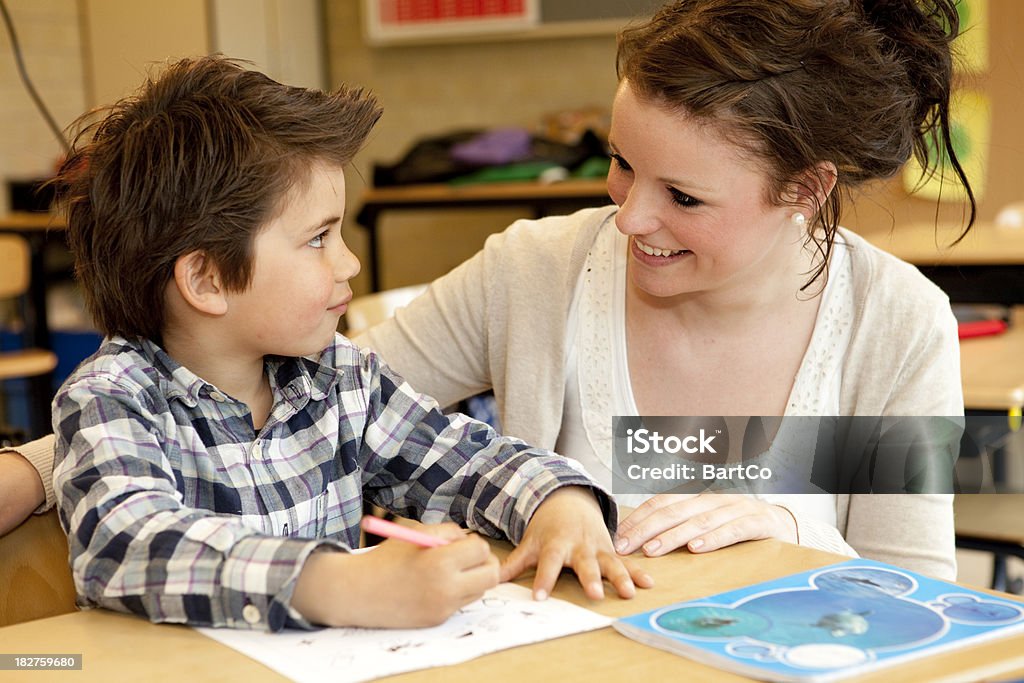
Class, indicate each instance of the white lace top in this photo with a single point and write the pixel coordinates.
(597, 342)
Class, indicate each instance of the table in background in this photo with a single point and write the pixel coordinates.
(987, 266)
(992, 377)
(121, 647)
(992, 374)
(541, 199)
(992, 523)
(992, 368)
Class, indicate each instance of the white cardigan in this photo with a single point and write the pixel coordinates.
(499, 321)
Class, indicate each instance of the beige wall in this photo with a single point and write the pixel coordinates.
(50, 42)
(282, 38)
(432, 89)
(123, 37)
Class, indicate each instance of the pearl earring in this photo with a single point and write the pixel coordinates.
(798, 219)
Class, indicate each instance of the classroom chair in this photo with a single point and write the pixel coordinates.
(34, 573)
(370, 309)
(28, 363)
(366, 311)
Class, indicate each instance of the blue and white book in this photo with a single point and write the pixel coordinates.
(827, 624)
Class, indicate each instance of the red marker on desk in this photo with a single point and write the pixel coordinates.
(382, 527)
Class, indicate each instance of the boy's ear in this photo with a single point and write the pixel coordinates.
(199, 283)
(812, 187)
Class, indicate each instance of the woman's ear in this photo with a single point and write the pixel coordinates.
(811, 189)
(199, 283)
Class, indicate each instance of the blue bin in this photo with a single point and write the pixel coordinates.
(71, 347)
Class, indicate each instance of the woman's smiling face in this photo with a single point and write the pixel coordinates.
(694, 208)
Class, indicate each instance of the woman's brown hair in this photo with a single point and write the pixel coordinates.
(863, 84)
(198, 159)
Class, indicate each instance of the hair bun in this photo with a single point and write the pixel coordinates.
(919, 32)
(911, 21)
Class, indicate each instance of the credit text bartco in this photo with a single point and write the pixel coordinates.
(642, 441)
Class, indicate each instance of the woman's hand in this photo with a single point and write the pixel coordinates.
(568, 530)
(702, 523)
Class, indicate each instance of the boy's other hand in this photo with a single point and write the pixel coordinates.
(398, 584)
(568, 530)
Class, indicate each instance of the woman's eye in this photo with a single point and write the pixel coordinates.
(621, 163)
(683, 199)
(318, 241)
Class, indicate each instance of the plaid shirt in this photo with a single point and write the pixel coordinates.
(178, 510)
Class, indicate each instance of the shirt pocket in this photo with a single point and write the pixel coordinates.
(343, 508)
(320, 507)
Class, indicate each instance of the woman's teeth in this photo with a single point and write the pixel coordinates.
(655, 251)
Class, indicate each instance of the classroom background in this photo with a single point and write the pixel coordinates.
(84, 53)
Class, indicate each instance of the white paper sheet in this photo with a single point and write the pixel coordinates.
(507, 616)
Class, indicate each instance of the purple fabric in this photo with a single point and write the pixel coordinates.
(495, 147)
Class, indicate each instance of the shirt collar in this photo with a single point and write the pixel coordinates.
(295, 380)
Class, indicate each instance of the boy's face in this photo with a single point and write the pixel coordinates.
(301, 269)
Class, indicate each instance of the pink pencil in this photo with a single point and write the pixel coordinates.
(382, 527)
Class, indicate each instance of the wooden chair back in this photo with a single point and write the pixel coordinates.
(368, 310)
(35, 578)
(14, 281)
(14, 266)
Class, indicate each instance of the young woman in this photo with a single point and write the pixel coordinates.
(720, 283)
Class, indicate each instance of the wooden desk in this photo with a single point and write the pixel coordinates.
(992, 374)
(986, 267)
(975, 513)
(992, 523)
(540, 199)
(992, 368)
(119, 647)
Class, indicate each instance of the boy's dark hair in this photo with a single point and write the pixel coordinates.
(198, 159)
(864, 84)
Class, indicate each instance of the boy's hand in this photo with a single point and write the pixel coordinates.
(568, 530)
(398, 584)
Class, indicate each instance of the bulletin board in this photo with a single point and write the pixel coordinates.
(389, 22)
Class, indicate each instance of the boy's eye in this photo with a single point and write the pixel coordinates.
(318, 241)
(621, 163)
(683, 199)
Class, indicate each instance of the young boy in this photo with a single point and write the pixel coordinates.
(213, 455)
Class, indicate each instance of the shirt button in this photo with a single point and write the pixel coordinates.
(218, 397)
(251, 614)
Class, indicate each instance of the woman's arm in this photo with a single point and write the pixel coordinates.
(26, 481)
(437, 342)
(21, 489)
(916, 531)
